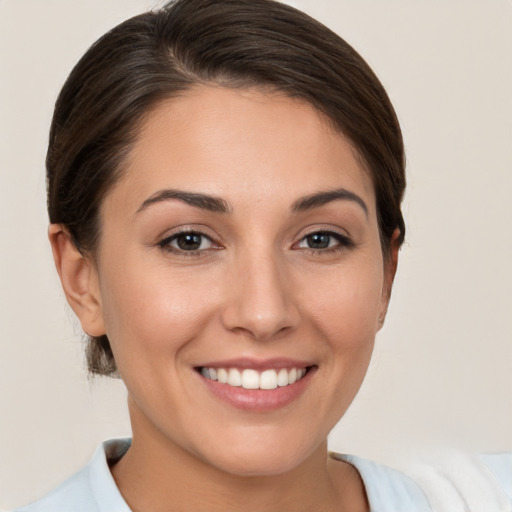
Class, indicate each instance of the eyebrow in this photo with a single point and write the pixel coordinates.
(218, 205)
(321, 198)
(204, 201)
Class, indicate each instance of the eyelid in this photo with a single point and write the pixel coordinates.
(335, 236)
(323, 228)
(164, 241)
(200, 229)
(344, 240)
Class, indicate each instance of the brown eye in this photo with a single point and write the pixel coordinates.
(325, 240)
(187, 242)
(318, 240)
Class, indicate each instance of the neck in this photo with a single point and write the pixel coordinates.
(158, 475)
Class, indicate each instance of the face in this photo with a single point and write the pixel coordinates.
(240, 251)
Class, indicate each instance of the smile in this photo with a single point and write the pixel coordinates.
(253, 379)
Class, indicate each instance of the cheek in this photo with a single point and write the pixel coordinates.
(343, 311)
(345, 305)
(152, 312)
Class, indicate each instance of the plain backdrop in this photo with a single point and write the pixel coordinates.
(442, 370)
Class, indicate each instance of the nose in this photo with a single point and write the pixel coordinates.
(261, 300)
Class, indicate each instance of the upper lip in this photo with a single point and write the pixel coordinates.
(257, 364)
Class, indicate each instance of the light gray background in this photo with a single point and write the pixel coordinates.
(442, 370)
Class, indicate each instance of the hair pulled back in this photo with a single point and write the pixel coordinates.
(233, 43)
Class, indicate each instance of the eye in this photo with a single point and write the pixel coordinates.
(324, 240)
(188, 241)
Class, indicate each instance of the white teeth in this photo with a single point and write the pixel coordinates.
(252, 379)
(282, 377)
(268, 379)
(222, 375)
(234, 377)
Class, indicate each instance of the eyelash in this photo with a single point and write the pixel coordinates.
(165, 244)
(343, 243)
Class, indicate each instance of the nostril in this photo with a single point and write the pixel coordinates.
(259, 325)
(258, 299)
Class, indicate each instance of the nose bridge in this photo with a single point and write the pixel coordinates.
(260, 299)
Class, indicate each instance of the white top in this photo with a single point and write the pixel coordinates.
(93, 489)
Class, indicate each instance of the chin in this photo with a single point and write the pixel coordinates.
(260, 464)
(262, 455)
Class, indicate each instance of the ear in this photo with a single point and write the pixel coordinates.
(79, 279)
(390, 266)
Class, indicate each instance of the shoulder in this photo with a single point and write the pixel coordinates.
(500, 467)
(388, 490)
(458, 480)
(92, 489)
(73, 494)
(448, 480)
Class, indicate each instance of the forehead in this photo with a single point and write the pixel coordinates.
(224, 141)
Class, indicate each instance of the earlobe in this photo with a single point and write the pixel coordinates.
(390, 266)
(79, 280)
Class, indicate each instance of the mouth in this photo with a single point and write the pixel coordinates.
(255, 386)
(252, 379)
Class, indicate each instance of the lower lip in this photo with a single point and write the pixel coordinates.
(259, 400)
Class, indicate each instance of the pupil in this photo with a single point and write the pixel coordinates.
(319, 241)
(189, 242)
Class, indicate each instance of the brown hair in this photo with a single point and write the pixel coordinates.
(234, 43)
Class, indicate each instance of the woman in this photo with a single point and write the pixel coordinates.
(224, 188)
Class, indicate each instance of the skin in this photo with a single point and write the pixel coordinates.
(254, 289)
